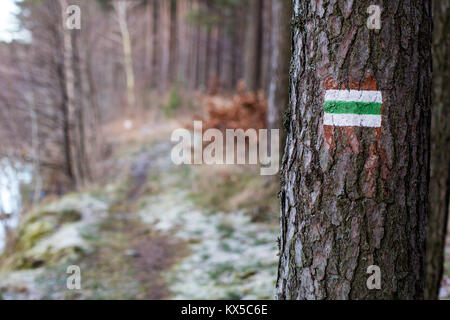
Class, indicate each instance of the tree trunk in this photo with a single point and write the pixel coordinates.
(35, 143)
(173, 41)
(207, 62)
(219, 55)
(281, 54)
(82, 154)
(267, 44)
(355, 186)
(253, 47)
(67, 83)
(234, 50)
(197, 52)
(155, 46)
(440, 155)
(121, 8)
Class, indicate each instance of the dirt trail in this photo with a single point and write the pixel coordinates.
(152, 253)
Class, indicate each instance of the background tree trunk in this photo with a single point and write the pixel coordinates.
(155, 47)
(281, 54)
(121, 8)
(253, 46)
(440, 155)
(67, 83)
(356, 196)
(173, 41)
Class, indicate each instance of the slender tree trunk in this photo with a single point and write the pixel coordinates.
(155, 47)
(207, 57)
(355, 186)
(253, 46)
(35, 145)
(83, 163)
(234, 53)
(219, 54)
(197, 51)
(267, 32)
(173, 42)
(191, 68)
(440, 155)
(96, 136)
(67, 82)
(148, 38)
(281, 54)
(37, 178)
(121, 8)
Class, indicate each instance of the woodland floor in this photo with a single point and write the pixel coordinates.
(148, 234)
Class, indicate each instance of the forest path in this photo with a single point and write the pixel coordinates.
(145, 236)
(150, 252)
(181, 250)
(131, 257)
(122, 257)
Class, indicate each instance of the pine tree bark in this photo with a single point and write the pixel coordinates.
(440, 155)
(355, 196)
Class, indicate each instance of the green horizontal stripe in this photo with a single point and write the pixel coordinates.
(352, 107)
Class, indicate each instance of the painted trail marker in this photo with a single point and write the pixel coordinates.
(352, 108)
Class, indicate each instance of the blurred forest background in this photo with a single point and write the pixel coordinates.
(126, 57)
(86, 117)
(85, 172)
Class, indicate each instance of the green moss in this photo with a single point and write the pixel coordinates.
(69, 216)
(32, 232)
(61, 217)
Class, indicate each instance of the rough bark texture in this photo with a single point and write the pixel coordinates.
(353, 197)
(440, 154)
(278, 98)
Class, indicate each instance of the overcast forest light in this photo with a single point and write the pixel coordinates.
(224, 154)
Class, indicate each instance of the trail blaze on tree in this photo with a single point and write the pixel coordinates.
(356, 196)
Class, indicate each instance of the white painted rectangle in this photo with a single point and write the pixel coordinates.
(352, 120)
(354, 95)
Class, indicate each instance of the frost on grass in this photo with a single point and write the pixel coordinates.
(49, 235)
(53, 233)
(229, 256)
(70, 235)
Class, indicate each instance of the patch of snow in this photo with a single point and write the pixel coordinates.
(22, 284)
(68, 236)
(230, 255)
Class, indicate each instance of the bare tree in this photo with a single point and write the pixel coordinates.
(121, 8)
